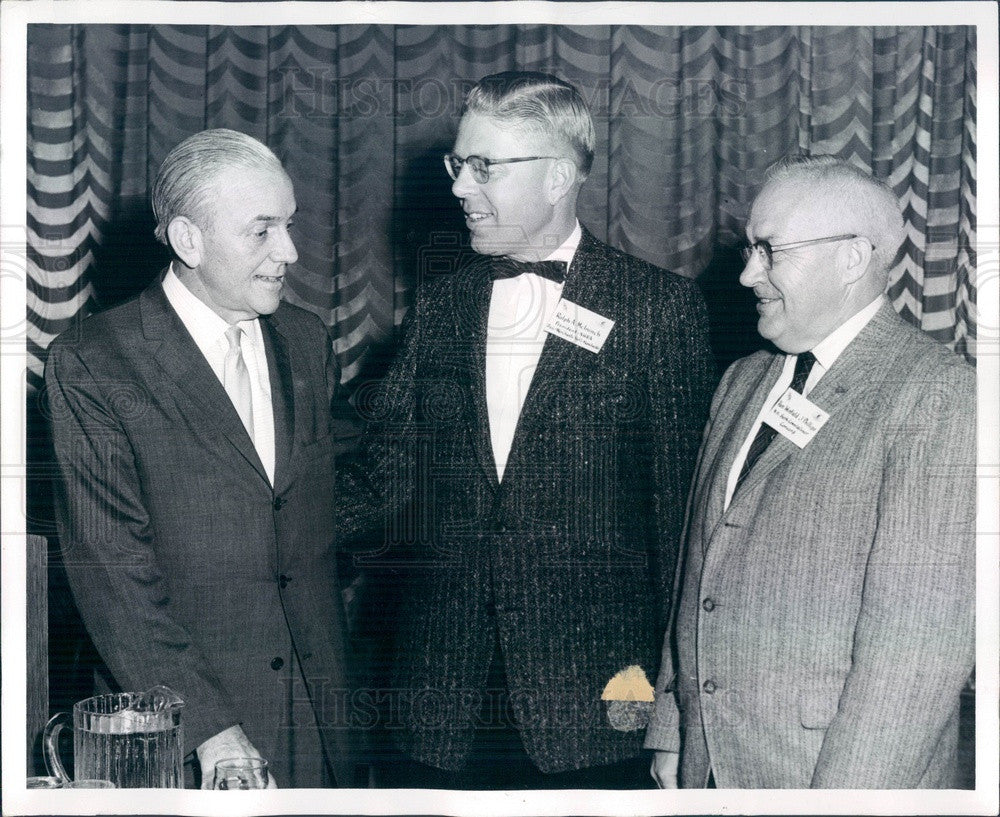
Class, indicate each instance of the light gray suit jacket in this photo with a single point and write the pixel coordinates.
(825, 622)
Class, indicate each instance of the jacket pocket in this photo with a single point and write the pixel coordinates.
(818, 707)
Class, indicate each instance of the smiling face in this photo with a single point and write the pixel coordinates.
(520, 212)
(243, 249)
(803, 297)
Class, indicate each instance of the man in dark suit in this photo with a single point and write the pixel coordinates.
(826, 613)
(542, 420)
(193, 433)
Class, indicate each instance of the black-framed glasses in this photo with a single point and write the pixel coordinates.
(764, 252)
(480, 167)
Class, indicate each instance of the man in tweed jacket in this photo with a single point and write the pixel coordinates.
(825, 622)
(546, 503)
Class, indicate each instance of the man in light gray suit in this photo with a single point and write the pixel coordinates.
(825, 621)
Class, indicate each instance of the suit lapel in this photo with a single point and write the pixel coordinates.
(736, 415)
(471, 310)
(561, 360)
(867, 355)
(181, 359)
(283, 402)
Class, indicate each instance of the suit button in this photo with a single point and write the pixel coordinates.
(283, 581)
(501, 527)
(709, 687)
(279, 502)
(708, 605)
(277, 663)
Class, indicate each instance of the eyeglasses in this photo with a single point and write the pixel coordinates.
(479, 166)
(764, 252)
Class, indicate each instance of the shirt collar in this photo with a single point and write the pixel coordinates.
(831, 347)
(206, 327)
(566, 250)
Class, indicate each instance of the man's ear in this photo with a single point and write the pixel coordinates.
(857, 256)
(562, 179)
(185, 239)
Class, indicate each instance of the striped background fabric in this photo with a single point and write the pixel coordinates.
(687, 119)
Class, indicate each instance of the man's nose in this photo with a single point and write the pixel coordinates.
(753, 272)
(284, 251)
(464, 185)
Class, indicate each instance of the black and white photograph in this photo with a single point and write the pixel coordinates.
(500, 408)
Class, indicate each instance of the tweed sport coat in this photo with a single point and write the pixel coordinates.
(825, 622)
(188, 568)
(568, 560)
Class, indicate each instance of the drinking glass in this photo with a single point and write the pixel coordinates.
(235, 773)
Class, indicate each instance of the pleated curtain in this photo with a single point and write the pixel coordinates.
(687, 119)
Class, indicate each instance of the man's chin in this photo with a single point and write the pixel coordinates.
(268, 305)
(498, 242)
(767, 330)
(487, 246)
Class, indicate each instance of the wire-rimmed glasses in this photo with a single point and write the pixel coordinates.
(764, 252)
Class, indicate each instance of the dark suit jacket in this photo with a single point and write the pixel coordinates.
(188, 568)
(569, 560)
(825, 625)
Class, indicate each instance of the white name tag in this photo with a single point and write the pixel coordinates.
(580, 326)
(796, 418)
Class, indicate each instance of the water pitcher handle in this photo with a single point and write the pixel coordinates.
(51, 740)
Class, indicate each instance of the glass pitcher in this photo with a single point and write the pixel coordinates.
(133, 739)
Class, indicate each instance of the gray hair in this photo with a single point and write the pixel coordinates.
(183, 183)
(867, 205)
(539, 102)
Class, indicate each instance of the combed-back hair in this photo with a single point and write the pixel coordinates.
(538, 102)
(864, 204)
(184, 181)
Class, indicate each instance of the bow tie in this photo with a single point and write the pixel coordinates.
(503, 267)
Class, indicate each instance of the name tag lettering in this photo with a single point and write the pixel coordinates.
(796, 418)
(578, 325)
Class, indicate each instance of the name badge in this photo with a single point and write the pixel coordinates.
(796, 418)
(580, 326)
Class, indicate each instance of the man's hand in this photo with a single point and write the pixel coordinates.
(664, 769)
(231, 742)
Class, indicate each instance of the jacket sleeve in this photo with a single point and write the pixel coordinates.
(681, 379)
(109, 552)
(369, 487)
(913, 643)
(664, 730)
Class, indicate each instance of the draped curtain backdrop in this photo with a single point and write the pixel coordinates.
(687, 119)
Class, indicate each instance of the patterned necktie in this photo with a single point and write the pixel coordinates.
(236, 378)
(803, 365)
(504, 267)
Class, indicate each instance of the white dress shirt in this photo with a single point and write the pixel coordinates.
(520, 308)
(209, 333)
(825, 352)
